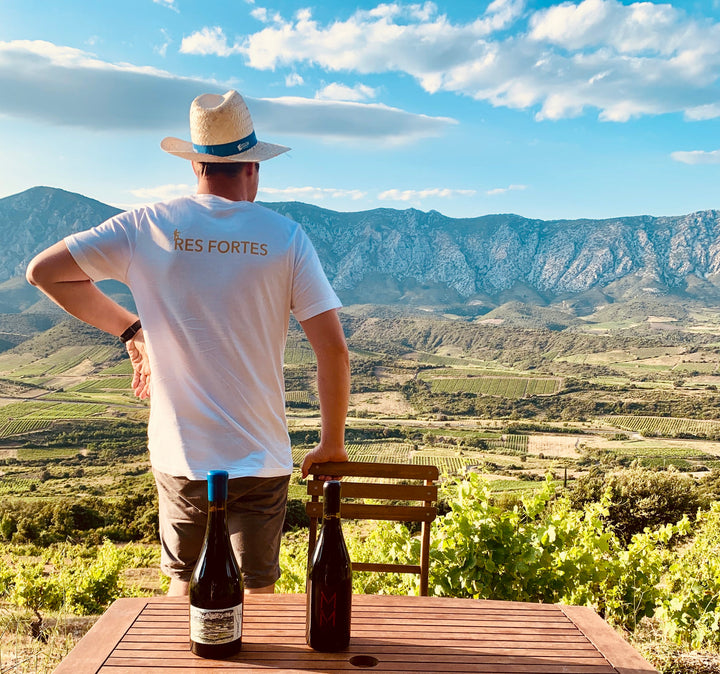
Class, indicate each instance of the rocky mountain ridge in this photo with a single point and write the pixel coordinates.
(37, 218)
(492, 258)
(387, 256)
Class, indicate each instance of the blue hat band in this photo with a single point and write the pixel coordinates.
(228, 149)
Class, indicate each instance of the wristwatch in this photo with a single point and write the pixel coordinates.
(130, 332)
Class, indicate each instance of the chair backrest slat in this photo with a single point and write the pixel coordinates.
(363, 511)
(396, 492)
(408, 471)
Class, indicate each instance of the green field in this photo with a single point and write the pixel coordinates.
(505, 387)
(299, 356)
(701, 367)
(300, 397)
(25, 425)
(517, 444)
(59, 362)
(449, 461)
(18, 419)
(112, 383)
(123, 367)
(664, 426)
(17, 487)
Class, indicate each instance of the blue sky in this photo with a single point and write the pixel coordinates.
(586, 108)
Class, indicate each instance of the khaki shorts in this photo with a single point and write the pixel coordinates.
(256, 512)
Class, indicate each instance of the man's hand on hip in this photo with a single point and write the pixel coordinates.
(137, 350)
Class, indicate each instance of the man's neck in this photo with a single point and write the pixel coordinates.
(232, 190)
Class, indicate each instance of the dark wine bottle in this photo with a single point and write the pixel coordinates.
(216, 586)
(329, 588)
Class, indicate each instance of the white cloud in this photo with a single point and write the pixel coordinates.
(294, 80)
(66, 86)
(623, 59)
(170, 4)
(629, 29)
(312, 193)
(260, 13)
(162, 49)
(503, 190)
(389, 38)
(701, 112)
(348, 121)
(149, 195)
(423, 12)
(206, 42)
(416, 195)
(342, 92)
(697, 157)
(263, 15)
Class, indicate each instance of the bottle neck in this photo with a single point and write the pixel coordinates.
(217, 520)
(217, 506)
(217, 502)
(331, 499)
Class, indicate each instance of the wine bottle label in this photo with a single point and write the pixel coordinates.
(215, 626)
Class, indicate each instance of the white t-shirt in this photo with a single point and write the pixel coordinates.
(214, 282)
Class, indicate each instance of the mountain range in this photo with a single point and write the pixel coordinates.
(499, 266)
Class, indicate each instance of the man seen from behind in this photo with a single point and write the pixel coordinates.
(215, 278)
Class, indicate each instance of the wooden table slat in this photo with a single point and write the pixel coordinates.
(410, 644)
(310, 663)
(485, 654)
(570, 641)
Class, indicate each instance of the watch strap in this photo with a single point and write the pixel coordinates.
(130, 332)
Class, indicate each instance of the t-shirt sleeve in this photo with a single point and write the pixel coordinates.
(312, 293)
(105, 251)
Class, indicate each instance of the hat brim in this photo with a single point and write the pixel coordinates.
(184, 149)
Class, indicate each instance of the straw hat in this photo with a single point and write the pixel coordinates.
(221, 130)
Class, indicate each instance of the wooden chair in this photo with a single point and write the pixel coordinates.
(388, 485)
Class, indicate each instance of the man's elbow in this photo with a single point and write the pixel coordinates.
(49, 266)
(42, 272)
(33, 273)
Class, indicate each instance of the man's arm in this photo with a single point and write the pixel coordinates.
(55, 272)
(333, 379)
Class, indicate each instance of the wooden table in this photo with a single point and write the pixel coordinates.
(404, 635)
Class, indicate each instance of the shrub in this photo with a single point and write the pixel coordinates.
(295, 515)
(72, 578)
(640, 498)
(130, 518)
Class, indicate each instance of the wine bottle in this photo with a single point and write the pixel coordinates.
(329, 588)
(216, 586)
